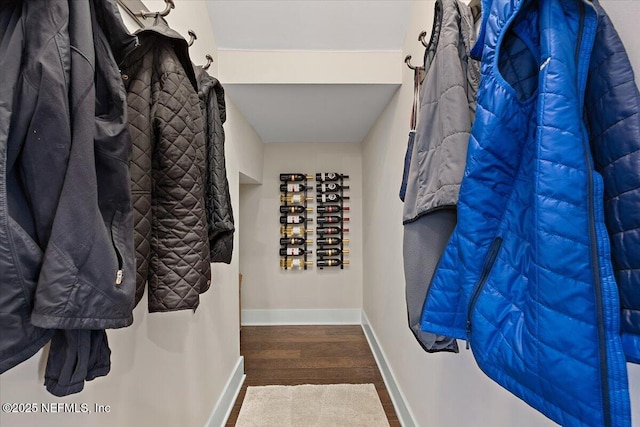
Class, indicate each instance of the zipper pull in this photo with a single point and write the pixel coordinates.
(119, 276)
(468, 333)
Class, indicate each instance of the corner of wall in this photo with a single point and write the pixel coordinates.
(224, 405)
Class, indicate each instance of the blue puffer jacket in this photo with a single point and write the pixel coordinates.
(527, 276)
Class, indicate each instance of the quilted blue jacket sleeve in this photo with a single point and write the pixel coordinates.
(612, 108)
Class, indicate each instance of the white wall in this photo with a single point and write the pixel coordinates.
(264, 285)
(168, 369)
(247, 145)
(440, 389)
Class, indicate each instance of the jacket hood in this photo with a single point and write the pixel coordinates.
(160, 31)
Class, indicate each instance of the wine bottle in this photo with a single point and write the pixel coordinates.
(331, 241)
(331, 252)
(330, 176)
(331, 262)
(294, 230)
(294, 177)
(330, 219)
(293, 219)
(331, 186)
(331, 208)
(294, 209)
(294, 241)
(330, 197)
(294, 263)
(293, 251)
(331, 230)
(294, 198)
(294, 187)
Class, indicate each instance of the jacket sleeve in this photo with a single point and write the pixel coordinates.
(81, 283)
(20, 252)
(613, 113)
(179, 262)
(139, 117)
(221, 225)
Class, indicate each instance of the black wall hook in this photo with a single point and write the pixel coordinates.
(407, 60)
(421, 39)
(209, 62)
(165, 12)
(193, 37)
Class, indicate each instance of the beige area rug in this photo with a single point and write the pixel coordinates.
(334, 405)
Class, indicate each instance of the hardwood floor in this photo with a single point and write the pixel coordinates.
(292, 355)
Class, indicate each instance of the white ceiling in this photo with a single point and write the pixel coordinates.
(374, 25)
(341, 108)
(311, 113)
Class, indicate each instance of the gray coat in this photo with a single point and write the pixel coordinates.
(447, 109)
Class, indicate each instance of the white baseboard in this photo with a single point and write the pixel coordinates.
(224, 405)
(301, 317)
(405, 416)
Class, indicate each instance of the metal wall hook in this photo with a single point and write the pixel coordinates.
(209, 62)
(193, 37)
(421, 39)
(165, 12)
(407, 60)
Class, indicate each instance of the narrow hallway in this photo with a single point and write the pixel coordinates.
(280, 251)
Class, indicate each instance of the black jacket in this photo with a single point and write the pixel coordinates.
(66, 241)
(167, 171)
(217, 196)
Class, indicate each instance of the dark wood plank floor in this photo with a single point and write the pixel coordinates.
(292, 355)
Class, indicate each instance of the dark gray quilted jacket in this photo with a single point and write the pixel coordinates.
(167, 171)
(218, 198)
(447, 109)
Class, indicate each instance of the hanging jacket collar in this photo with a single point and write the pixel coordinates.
(159, 32)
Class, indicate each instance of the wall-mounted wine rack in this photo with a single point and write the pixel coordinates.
(331, 219)
(294, 230)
